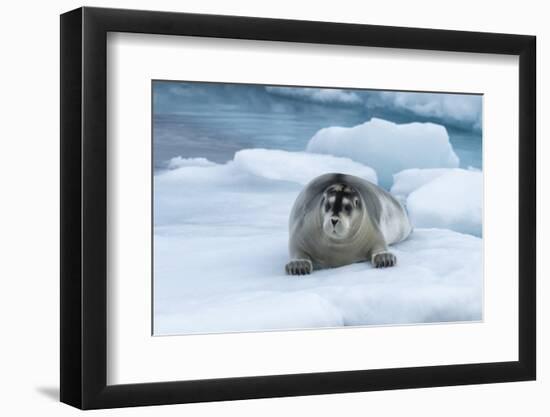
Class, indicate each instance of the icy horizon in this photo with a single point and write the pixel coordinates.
(215, 120)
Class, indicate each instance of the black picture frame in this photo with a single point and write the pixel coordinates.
(84, 207)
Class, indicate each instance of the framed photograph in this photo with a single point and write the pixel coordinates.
(258, 208)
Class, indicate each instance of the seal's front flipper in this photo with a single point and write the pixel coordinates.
(299, 267)
(383, 259)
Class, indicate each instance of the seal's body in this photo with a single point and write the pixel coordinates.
(340, 219)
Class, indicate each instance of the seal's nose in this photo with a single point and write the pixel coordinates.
(334, 221)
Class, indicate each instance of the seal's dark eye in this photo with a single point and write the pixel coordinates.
(347, 207)
(327, 206)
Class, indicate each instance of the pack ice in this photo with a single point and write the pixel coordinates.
(221, 233)
(388, 147)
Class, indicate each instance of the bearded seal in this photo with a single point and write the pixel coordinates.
(340, 219)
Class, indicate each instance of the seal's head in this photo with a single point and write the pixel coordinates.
(341, 209)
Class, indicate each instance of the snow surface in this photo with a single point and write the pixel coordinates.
(409, 180)
(450, 200)
(221, 233)
(388, 147)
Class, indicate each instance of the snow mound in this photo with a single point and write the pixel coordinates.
(453, 200)
(405, 182)
(388, 147)
(179, 162)
(300, 167)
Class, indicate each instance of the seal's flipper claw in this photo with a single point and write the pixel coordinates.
(299, 267)
(383, 260)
